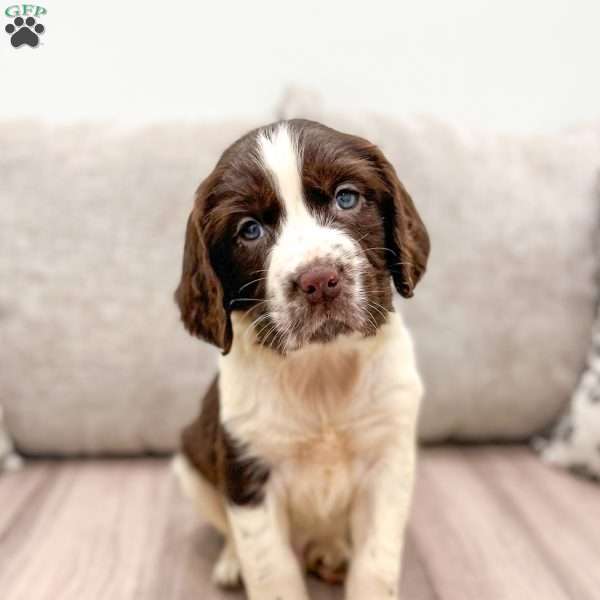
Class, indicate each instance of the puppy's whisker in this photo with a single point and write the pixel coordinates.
(266, 327)
(372, 320)
(232, 302)
(261, 317)
(281, 337)
(386, 310)
(256, 321)
(267, 336)
(257, 305)
(250, 283)
(270, 337)
(249, 311)
(382, 248)
(375, 306)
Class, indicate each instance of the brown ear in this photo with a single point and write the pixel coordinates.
(200, 294)
(406, 233)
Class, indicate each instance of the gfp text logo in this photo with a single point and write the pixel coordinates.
(25, 29)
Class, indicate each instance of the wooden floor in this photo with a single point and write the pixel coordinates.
(488, 523)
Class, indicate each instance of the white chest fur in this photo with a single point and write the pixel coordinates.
(320, 416)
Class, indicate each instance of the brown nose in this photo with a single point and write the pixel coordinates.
(320, 284)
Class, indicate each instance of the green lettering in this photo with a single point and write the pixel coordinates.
(12, 11)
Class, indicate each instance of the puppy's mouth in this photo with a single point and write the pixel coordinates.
(299, 324)
(329, 330)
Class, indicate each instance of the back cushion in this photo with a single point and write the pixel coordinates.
(93, 356)
(94, 359)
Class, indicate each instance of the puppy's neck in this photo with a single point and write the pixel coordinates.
(321, 372)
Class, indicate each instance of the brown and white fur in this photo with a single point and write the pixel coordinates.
(303, 454)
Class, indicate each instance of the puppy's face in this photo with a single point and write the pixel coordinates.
(300, 227)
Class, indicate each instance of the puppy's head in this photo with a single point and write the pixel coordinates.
(300, 227)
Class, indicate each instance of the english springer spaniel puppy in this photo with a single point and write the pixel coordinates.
(304, 452)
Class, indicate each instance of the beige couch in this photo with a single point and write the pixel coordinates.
(94, 360)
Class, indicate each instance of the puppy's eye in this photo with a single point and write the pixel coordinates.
(251, 230)
(347, 198)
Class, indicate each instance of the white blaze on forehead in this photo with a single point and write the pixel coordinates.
(281, 157)
(301, 240)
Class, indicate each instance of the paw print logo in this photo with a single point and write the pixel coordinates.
(24, 32)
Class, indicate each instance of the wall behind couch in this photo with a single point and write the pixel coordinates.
(509, 66)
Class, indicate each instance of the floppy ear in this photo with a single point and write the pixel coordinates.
(405, 232)
(200, 295)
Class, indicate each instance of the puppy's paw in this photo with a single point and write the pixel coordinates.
(227, 572)
(328, 562)
(373, 584)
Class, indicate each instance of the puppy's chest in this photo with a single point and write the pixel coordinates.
(318, 427)
(324, 466)
(319, 463)
(319, 440)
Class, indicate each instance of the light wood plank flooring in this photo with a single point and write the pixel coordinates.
(488, 523)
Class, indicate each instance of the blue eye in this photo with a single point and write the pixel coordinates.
(251, 230)
(347, 198)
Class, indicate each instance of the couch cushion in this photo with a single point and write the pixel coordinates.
(93, 356)
(502, 316)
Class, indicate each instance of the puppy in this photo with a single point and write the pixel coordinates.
(304, 452)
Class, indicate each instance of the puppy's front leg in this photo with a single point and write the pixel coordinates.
(270, 568)
(379, 518)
